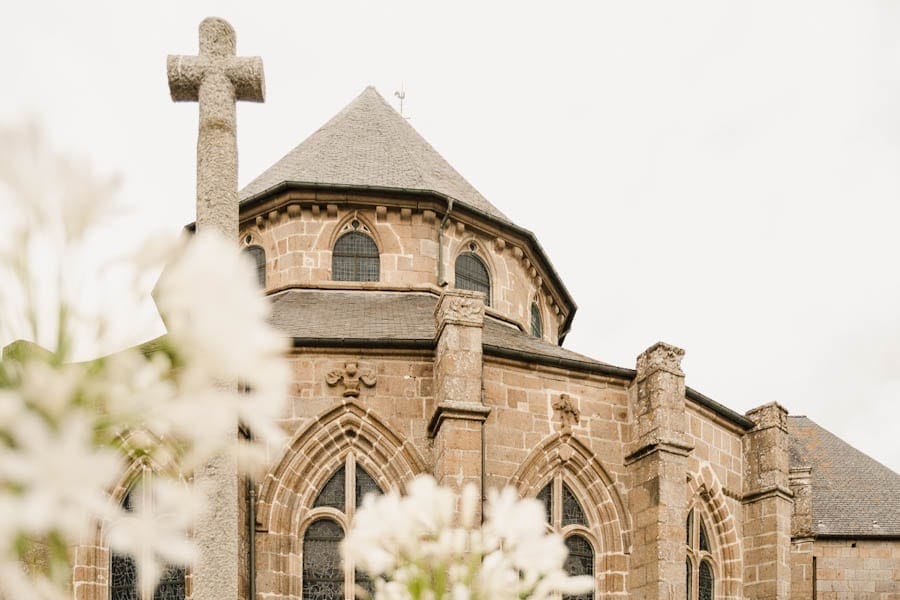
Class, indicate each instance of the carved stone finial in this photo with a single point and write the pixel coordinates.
(660, 357)
(352, 377)
(568, 412)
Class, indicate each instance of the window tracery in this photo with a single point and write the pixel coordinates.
(355, 255)
(699, 566)
(471, 274)
(566, 516)
(325, 577)
(123, 580)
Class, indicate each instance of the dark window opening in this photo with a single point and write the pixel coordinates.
(355, 258)
(471, 274)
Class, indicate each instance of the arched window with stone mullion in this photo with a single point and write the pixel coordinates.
(700, 579)
(566, 516)
(123, 576)
(324, 576)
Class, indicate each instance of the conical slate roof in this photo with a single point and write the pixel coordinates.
(370, 145)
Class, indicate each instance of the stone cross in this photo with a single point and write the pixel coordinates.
(216, 79)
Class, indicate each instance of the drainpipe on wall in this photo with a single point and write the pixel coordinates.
(251, 539)
(440, 266)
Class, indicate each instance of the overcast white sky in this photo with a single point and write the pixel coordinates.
(722, 176)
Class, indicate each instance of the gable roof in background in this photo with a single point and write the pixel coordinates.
(853, 495)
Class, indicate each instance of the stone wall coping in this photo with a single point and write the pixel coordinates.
(768, 492)
(667, 447)
(463, 411)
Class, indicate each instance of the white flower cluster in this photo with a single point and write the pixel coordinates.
(69, 430)
(427, 545)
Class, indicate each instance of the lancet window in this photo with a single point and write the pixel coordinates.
(566, 516)
(325, 577)
(123, 580)
(471, 274)
(537, 325)
(258, 255)
(699, 571)
(355, 255)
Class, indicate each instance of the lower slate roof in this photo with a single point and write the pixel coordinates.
(853, 495)
(369, 317)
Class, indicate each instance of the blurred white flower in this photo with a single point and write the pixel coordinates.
(418, 546)
(68, 430)
(61, 474)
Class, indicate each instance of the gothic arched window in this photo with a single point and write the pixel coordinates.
(537, 326)
(471, 274)
(699, 574)
(258, 255)
(324, 575)
(123, 580)
(566, 516)
(355, 257)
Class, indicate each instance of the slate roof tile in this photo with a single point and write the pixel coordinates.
(369, 144)
(853, 495)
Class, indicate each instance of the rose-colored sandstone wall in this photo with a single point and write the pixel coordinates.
(298, 246)
(857, 570)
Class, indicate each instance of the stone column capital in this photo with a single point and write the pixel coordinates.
(659, 357)
(460, 307)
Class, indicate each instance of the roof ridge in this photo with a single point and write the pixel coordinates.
(369, 144)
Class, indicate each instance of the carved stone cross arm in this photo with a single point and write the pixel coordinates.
(215, 79)
(217, 57)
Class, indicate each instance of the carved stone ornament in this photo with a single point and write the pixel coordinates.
(567, 411)
(463, 309)
(460, 307)
(352, 378)
(660, 357)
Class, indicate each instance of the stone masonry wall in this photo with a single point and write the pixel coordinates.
(857, 570)
(402, 395)
(522, 416)
(298, 243)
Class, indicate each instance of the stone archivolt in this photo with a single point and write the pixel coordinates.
(319, 449)
(589, 480)
(709, 498)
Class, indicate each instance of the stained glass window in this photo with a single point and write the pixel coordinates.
(323, 571)
(323, 575)
(364, 485)
(123, 581)
(689, 586)
(332, 493)
(704, 539)
(355, 258)
(705, 581)
(566, 516)
(572, 511)
(259, 259)
(537, 326)
(471, 274)
(546, 496)
(700, 584)
(580, 561)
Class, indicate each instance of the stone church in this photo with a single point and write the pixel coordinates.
(427, 333)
